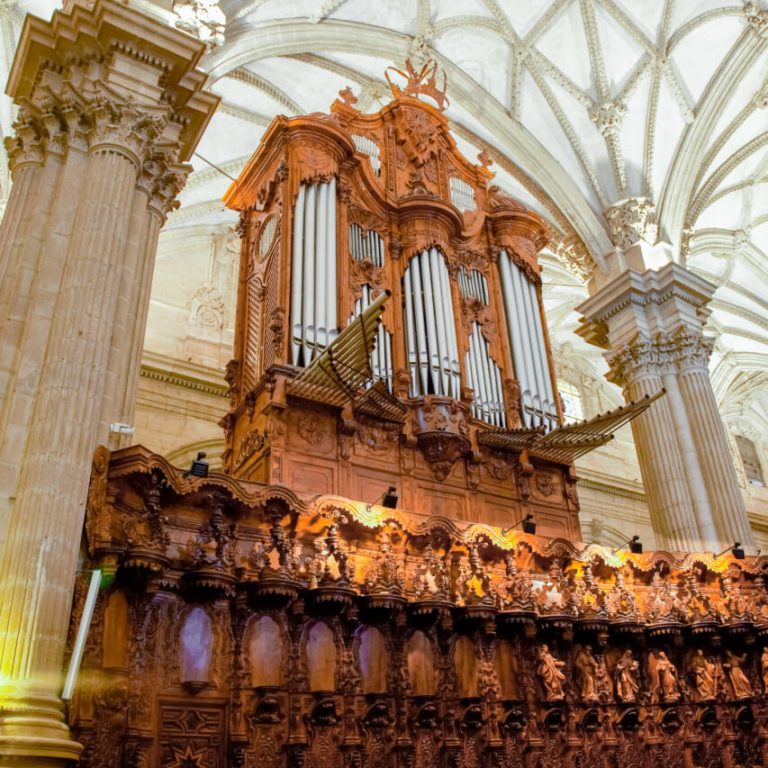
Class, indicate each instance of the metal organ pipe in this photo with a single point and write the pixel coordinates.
(297, 272)
(381, 357)
(313, 273)
(453, 344)
(430, 327)
(484, 376)
(526, 335)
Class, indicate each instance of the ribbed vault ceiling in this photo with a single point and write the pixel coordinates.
(580, 103)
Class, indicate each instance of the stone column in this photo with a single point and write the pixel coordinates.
(648, 313)
(103, 129)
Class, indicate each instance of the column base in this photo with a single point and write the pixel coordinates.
(33, 733)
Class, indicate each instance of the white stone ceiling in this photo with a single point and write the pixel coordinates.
(581, 103)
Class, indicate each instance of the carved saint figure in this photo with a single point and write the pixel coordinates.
(742, 688)
(706, 675)
(587, 665)
(626, 678)
(764, 668)
(552, 678)
(664, 681)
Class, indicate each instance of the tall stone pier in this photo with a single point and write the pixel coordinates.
(110, 106)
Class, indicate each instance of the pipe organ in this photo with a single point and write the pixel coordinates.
(335, 210)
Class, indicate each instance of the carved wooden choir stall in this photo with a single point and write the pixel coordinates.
(391, 347)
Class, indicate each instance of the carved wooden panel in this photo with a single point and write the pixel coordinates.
(192, 735)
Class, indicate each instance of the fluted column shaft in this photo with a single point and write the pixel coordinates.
(669, 500)
(722, 485)
(651, 324)
(80, 235)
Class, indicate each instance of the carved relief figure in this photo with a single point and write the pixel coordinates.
(548, 669)
(764, 668)
(665, 685)
(706, 676)
(626, 678)
(742, 688)
(587, 666)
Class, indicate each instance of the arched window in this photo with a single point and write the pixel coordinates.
(750, 460)
(571, 398)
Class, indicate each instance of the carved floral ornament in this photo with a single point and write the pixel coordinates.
(163, 480)
(632, 220)
(340, 631)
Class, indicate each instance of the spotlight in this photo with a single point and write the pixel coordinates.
(634, 544)
(529, 526)
(199, 467)
(737, 549)
(387, 499)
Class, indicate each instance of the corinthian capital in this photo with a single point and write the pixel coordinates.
(680, 352)
(632, 220)
(121, 126)
(28, 143)
(691, 350)
(640, 358)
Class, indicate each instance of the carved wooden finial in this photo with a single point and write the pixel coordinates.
(348, 97)
(423, 81)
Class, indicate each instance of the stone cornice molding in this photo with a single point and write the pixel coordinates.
(648, 288)
(80, 56)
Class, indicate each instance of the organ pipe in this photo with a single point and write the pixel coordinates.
(313, 274)
(526, 335)
(366, 246)
(484, 376)
(381, 357)
(430, 328)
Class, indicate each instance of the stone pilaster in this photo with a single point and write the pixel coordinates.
(651, 325)
(97, 159)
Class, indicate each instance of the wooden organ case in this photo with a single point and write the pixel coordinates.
(336, 210)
